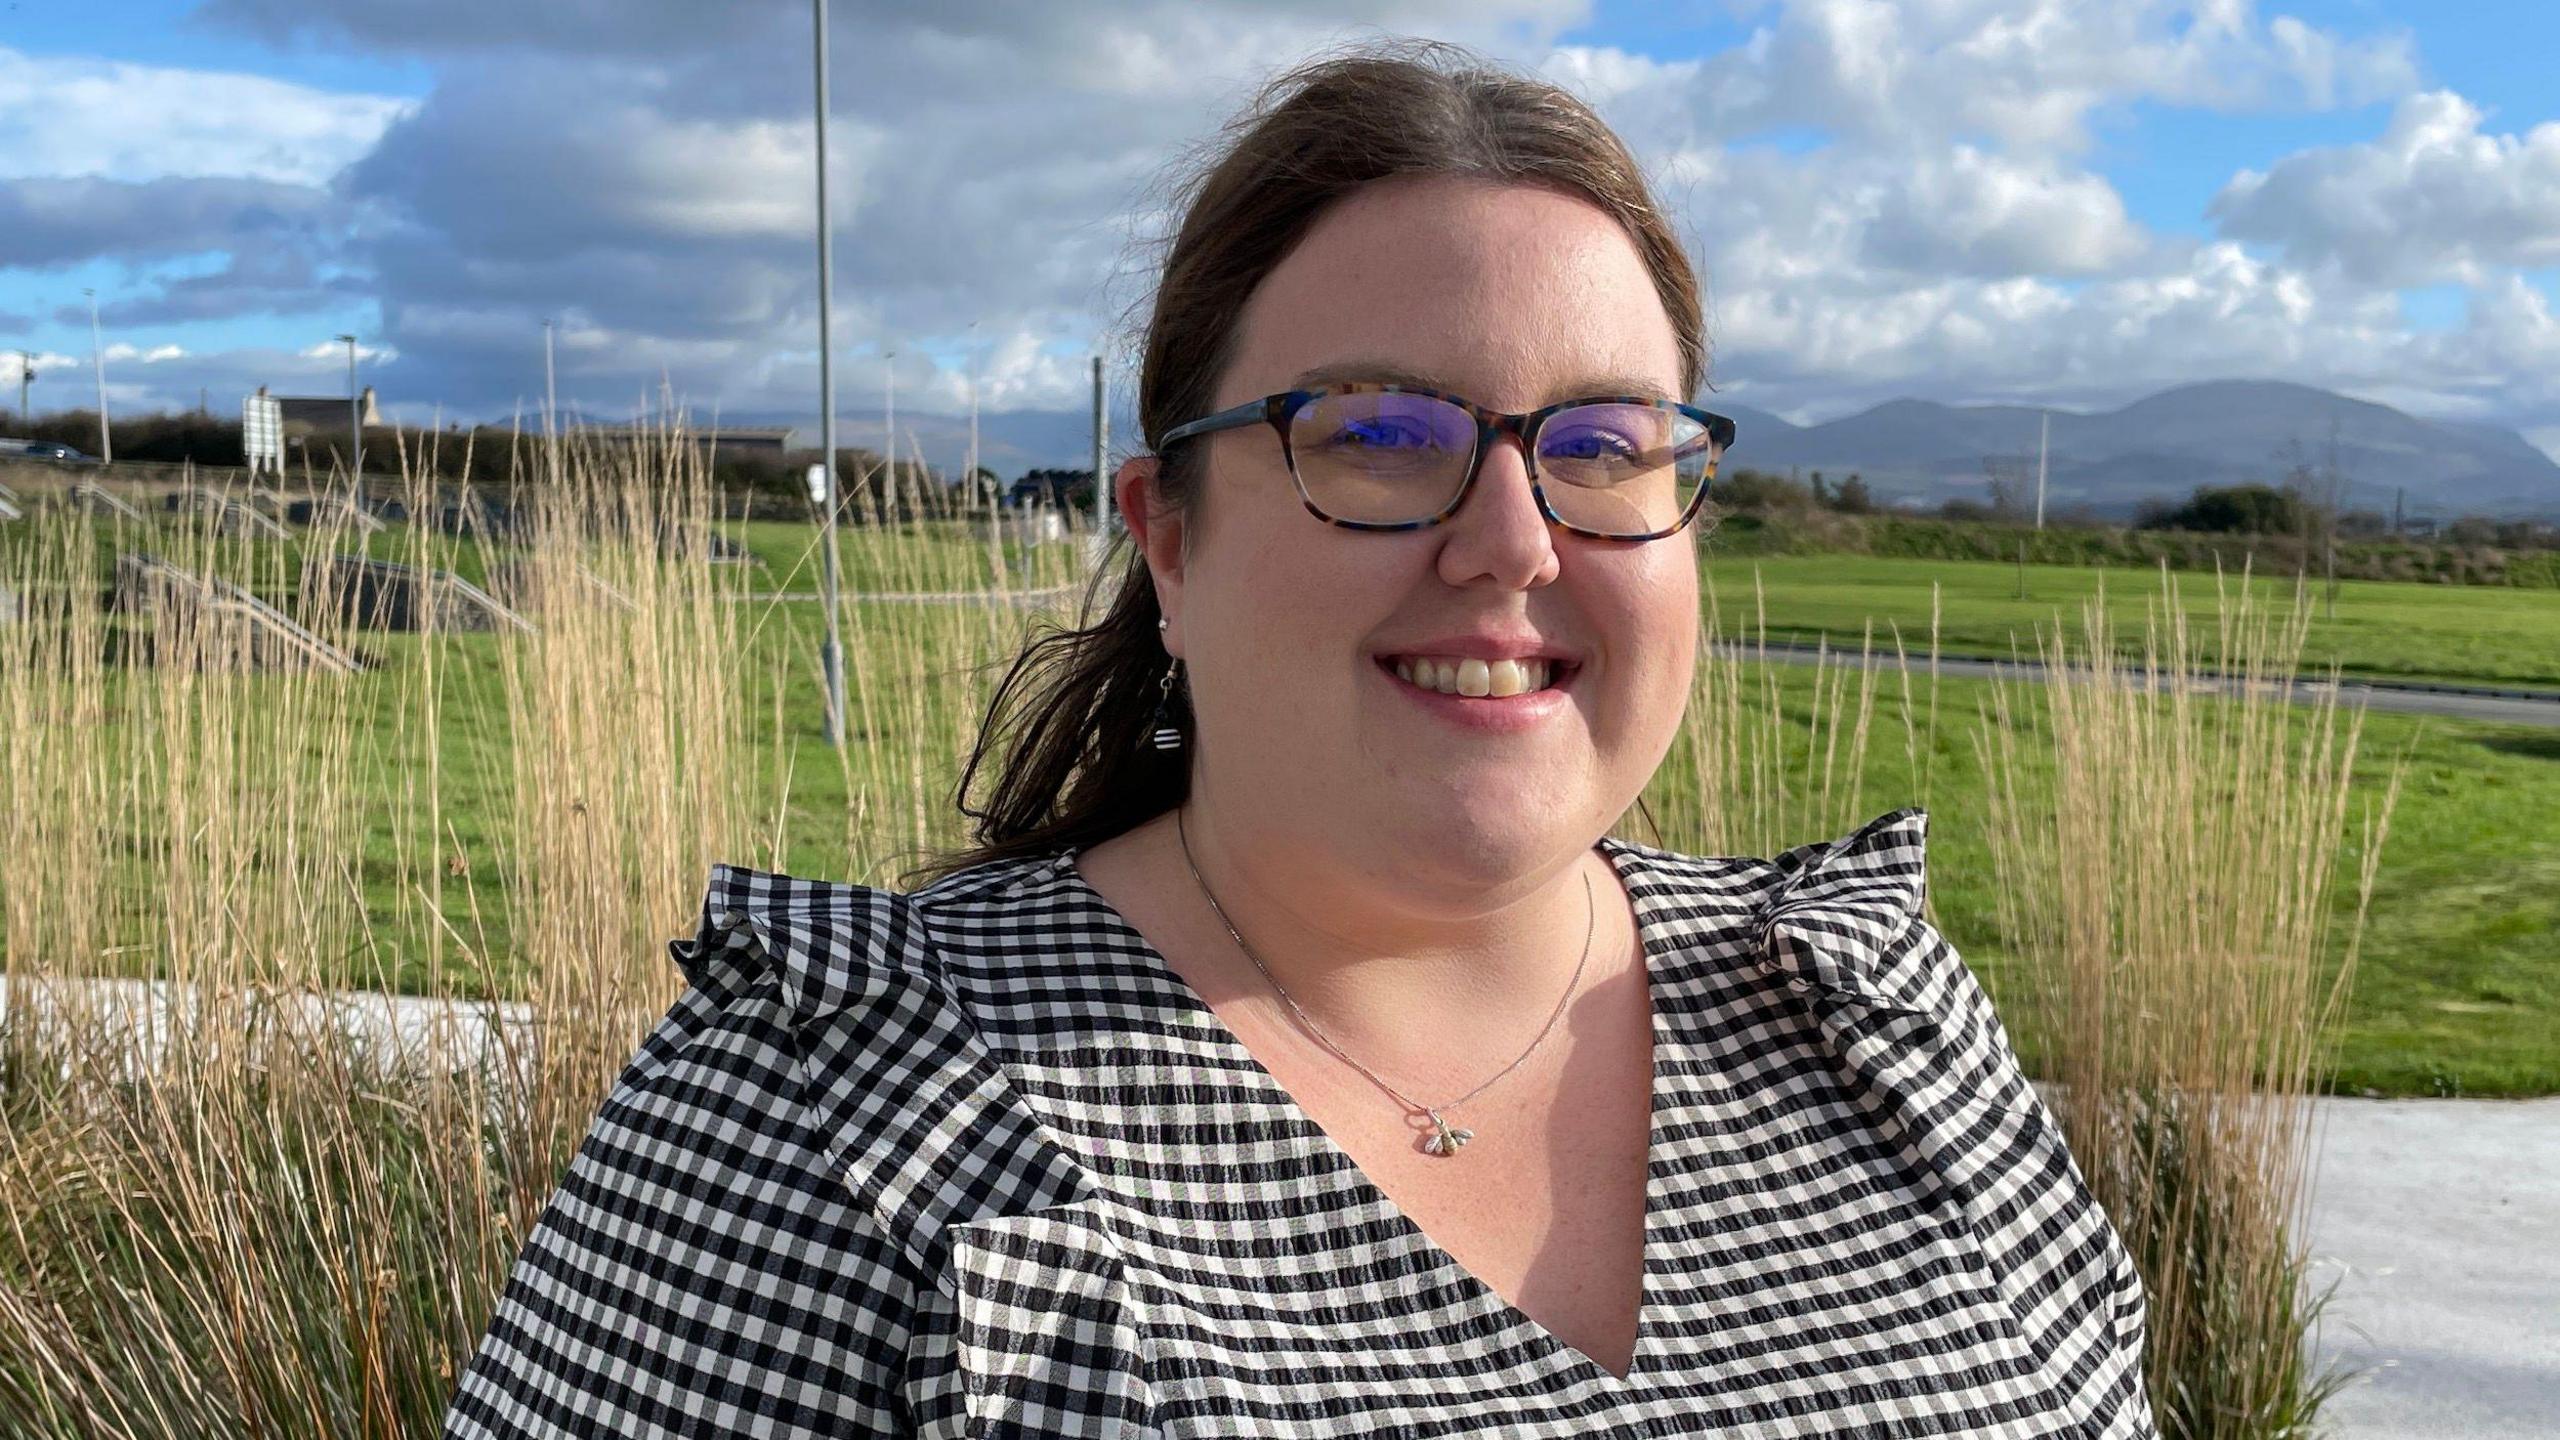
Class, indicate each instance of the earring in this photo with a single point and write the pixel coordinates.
(1164, 734)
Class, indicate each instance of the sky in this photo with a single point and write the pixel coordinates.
(2062, 202)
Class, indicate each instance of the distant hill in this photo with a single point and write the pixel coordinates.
(2223, 432)
(1919, 452)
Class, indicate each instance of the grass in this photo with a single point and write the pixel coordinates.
(2453, 634)
(2457, 996)
(269, 1230)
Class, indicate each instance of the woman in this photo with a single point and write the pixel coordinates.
(1298, 1054)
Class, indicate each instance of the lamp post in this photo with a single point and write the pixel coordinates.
(1101, 481)
(355, 420)
(833, 659)
(98, 357)
(26, 377)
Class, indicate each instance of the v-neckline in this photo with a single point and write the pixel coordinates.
(1622, 862)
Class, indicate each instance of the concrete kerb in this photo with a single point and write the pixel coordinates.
(393, 1032)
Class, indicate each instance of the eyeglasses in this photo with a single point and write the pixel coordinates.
(1396, 457)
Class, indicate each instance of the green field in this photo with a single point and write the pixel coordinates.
(2458, 992)
(2448, 633)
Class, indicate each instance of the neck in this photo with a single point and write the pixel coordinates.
(1365, 952)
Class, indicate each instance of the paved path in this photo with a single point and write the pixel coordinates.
(916, 597)
(2462, 702)
(2439, 1221)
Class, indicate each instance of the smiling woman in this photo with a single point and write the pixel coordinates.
(1298, 1052)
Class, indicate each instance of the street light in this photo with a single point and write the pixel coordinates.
(98, 356)
(822, 476)
(355, 420)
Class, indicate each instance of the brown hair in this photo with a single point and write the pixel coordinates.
(1077, 702)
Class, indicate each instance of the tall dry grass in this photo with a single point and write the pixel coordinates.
(231, 1211)
(2168, 862)
(260, 1221)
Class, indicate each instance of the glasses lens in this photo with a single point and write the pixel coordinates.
(1381, 457)
(1623, 469)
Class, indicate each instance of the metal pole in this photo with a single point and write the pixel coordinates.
(969, 473)
(98, 356)
(1101, 482)
(833, 655)
(2044, 433)
(355, 421)
(27, 375)
(889, 477)
(550, 382)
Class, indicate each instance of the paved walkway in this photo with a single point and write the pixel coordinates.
(2438, 1221)
(2461, 702)
(913, 597)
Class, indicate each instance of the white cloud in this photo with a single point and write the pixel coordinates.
(2432, 199)
(1967, 213)
(120, 353)
(1940, 228)
(2026, 75)
(117, 121)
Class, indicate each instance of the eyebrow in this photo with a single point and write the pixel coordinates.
(1386, 373)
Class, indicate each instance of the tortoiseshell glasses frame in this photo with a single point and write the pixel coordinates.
(1715, 434)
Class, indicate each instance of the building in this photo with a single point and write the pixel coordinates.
(1059, 489)
(306, 415)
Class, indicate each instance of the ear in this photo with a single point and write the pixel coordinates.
(1158, 534)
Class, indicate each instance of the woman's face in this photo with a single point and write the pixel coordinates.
(1514, 297)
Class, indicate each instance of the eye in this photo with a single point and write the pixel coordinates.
(1381, 432)
(1588, 443)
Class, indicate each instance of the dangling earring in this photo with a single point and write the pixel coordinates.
(1164, 734)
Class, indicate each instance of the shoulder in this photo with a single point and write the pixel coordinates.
(909, 1104)
(1841, 926)
(1843, 918)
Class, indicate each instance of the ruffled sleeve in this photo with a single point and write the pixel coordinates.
(1026, 1323)
(1917, 1041)
(811, 1205)
(702, 1270)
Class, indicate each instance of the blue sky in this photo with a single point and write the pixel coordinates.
(2067, 201)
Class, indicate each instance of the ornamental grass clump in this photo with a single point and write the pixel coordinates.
(232, 1209)
(2169, 835)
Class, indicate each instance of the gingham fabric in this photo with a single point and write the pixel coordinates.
(975, 1162)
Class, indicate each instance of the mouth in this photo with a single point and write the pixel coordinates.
(1479, 679)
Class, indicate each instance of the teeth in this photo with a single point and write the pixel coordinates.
(1475, 677)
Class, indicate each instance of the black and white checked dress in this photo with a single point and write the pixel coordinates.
(975, 1161)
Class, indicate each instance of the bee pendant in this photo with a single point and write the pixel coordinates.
(1448, 1138)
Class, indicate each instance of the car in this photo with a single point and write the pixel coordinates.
(52, 450)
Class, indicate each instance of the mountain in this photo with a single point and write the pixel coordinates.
(1918, 452)
(2221, 432)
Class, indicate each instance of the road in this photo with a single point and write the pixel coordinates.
(2462, 702)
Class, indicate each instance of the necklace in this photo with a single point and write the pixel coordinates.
(1445, 1137)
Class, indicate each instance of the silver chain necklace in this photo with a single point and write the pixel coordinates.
(1445, 1138)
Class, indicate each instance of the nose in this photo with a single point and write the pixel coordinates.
(1499, 533)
